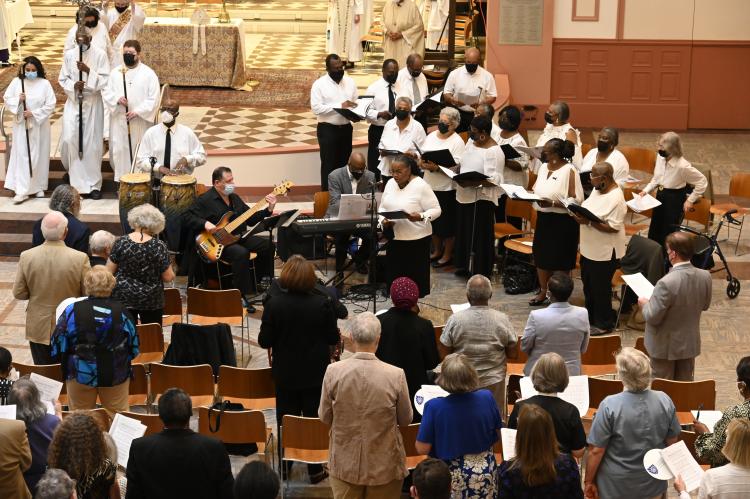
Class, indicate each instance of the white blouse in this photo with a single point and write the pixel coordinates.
(611, 209)
(675, 174)
(399, 140)
(617, 159)
(511, 176)
(491, 162)
(415, 197)
(555, 185)
(559, 132)
(455, 144)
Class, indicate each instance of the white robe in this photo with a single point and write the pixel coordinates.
(86, 173)
(99, 39)
(6, 37)
(40, 100)
(143, 98)
(131, 31)
(407, 20)
(436, 24)
(343, 35)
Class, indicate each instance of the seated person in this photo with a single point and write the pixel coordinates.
(353, 178)
(207, 211)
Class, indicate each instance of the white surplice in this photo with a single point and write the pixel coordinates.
(130, 31)
(143, 98)
(86, 173)
(343, 34)
(40, 100)
(436, 24)
(99, 39)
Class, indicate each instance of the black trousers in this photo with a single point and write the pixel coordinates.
(483, 236)
(237, 256)
(40, 353)
(597, 290)
(341, 243)
(666, 217)
(303, 402)
(374, 133)
(335, 143)
(147, 316)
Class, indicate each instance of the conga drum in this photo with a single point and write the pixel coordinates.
(177, 194)
(134, 190)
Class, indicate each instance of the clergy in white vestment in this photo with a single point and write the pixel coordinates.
(40, 103)
(403, 30)
(344, 31)
(175, 147)
(124, 22)
(6, 36)
(86, 171)
(96, 29)
(437, 26)
(138, 109)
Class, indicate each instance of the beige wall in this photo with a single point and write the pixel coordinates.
(605, 27)
(722, 20)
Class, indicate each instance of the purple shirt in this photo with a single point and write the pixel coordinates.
(40, 435)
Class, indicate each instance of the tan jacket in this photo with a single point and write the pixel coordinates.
(15, 458)
(364, 400)
(46, 276)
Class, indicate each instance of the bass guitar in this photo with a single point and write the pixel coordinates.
(211, 244)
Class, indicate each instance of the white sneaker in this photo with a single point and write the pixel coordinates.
(18, 199)
(39, 194)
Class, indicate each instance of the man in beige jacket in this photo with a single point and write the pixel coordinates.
(15, 458)
(46, 276)
(364, 400)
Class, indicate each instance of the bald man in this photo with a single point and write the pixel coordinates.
(466, 85)
(47, 274)
(353, 178)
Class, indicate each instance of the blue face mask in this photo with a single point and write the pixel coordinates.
(228, 189)
(30, 75)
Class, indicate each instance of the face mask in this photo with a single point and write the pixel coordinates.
(548, 118)
(356, 175)
(228, 189)
(167, 117)
(129, 59)
(505, 124)
(415, 74)
(471, 68)
(391, 78)
(92, 24)
(121, 9)
(30, 75)
(662, 153)
(543, 157)
(443, 127)
(599, 186)
(336, 76)
(602, 146)
(402, 114)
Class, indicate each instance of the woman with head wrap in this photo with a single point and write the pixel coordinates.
(407, 340)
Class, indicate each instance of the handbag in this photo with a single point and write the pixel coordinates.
(519, 279)
(244, 449)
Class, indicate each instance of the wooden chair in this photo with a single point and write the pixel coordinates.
(435, 79)
(513, 390)
(737, 199)
(701, 213)
(152, 422)
(304, 440)
(409, 436)
(513, 208)
(320, 203)
(100, 415)
(521, 245)
(585, 148)
(639, 159)
(51, 371)
(640, 344)
(689, 438)
(237, 427)
(197, 381)
(150, 343)
(443, 350)
(138, 389)
(253, 388)
(172, 306)
(516, 365)
(688, 395)
(207, 307)
(373, 38)
(599, 358)
(601, 388)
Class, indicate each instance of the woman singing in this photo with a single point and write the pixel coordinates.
(516, 171)
(556, 235)
(40, 102)
(672, 173)
(476, 203)
(408, 253)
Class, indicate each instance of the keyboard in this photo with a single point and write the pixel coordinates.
(314, 226)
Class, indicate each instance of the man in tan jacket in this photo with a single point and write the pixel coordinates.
(46, 276)
(364, 400)
(15, 458)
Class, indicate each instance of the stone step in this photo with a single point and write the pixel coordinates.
(23, 223)
(108, 190)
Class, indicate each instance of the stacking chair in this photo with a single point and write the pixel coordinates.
(688, 395)
(197, 381)
(304, 440)
(150, 343)
(639, 159)
(51, 371)
(409, 436)
(701, 214)
(600, 388)
(320, 203)
(138, 389)
(152, 422)
(208, 307)
(515, 366)
(172, 306)
(237, 427)
(640, 344)
(100, 415)
(599, 358)
(513, 208)
(738, 199)
(253, 388)
(442, 349)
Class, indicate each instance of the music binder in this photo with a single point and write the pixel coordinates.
(441, 157)
(394, 215)
(584, 212)
(510, 152)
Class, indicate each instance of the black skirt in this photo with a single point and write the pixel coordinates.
(445, 224)
(409, 259)
(555, 241)
(666, 217)
(483, 236)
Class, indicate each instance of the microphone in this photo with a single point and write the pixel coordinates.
(372, 184)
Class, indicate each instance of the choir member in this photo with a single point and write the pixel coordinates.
(402, 133)
(558, 127)
(471, 83)
(606, 151)
(382, 109)
(516, 171)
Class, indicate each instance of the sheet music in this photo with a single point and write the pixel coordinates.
(577, 392)
(458, 307)
(708, 418)
(437, 97)
(352, 207)
(681, 462)
(50, 407)
(639, 204)
(123, 431)
(518, 192)
(641, 286)
(49, 389)
(508, 439)
(8, 411)
(447, 171)
(534, 152)
(362, 104)
(468, 100)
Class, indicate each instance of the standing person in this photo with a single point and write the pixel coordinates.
(40, 102)
(94, 28)
(140, 263)
(412, 83)
(437, 24)
(672, 173)
(66, 200)
(477, 201)
(485, 336)
(125, 22)
(673, 313)
(364, 401)
(8, 375)
(444, 228)
(14, 460)
(100, 245)
(344, 29)
(431, 480)
(403, 30)
(602, 245)
(469, 81)
(299, 355)
(558, 127)
(86, 171)
(382, 110)
(606, 151)
(46, 276)
(95, 341)
(516, 171)
(141, 102)
(556, 235)
(408, 251)
(402, 133)
(332, 91)
(6, 37)
(56, 484)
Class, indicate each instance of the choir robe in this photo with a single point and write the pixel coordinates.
(407, 20)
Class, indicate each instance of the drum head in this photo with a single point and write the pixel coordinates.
(178, 179)
(135, 178)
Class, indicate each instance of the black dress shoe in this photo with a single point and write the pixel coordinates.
(438, 264)
(95, 194)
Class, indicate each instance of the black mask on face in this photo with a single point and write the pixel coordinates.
(475, 136)
(662, 153)
(129, 59)
(443, 127)
(415, 74)
(121, 9)
(402, 114)
(336, 76)
(471, 68)
(543, 157)
(548, 118)
(391, 78)
(356, 175)
(602, 146)
(505, 124)
(92, 24)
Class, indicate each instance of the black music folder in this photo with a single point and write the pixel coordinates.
(584, 212)
(510, 152)
(394, 215)
(389, 152)
(442, 157)
(470, 177)
(349, 114)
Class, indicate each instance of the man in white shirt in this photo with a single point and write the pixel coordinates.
(329, 92)
(382, 109)
(130, 116)
(124, 22)
(466, 85)
(412, 83)
(402, 134)
(95, 28)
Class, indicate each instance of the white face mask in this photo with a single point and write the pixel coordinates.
(228, 189)
(166, 117)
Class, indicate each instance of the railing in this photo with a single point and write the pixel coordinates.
(8, 138)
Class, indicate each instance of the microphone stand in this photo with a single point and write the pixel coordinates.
(374, 248)
(154, 183)
(473, 228)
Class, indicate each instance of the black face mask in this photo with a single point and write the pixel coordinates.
(415, 74)
(336, 76)
(472, 68)
(356, 175)
(129, 59)
(443, 127)
(505, 125)
(121, 9)
(476, 137)
(391, 78)
(662, 153)
(602, 146)
(92, 24)
(548, 118)
(543, 157)
(402, 114)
